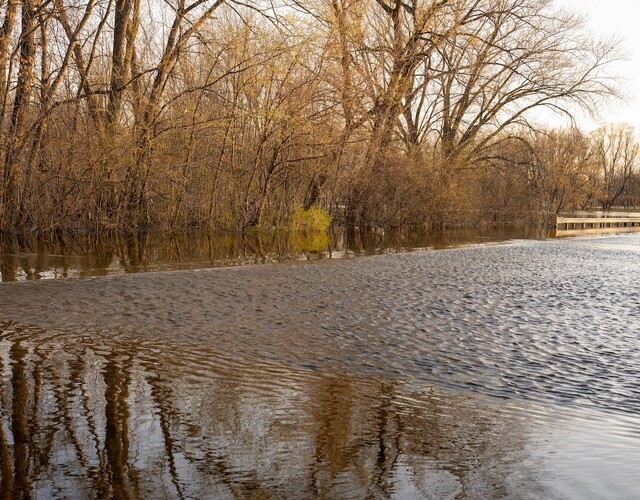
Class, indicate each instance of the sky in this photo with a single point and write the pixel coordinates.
(619, 18)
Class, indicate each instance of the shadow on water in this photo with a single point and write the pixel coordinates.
(127, 419)
(73, 255)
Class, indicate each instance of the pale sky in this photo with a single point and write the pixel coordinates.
(620, 18)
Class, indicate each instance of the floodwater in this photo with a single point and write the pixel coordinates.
(77, 256)
(485, 371)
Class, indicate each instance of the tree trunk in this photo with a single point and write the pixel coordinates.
(27, 51)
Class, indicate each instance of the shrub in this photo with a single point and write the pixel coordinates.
(313, 219)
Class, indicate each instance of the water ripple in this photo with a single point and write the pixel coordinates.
(540, 320)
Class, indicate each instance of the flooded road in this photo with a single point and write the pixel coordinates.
(500, 370)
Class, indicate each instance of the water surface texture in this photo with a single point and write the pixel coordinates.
(76, 255)
(500, 370)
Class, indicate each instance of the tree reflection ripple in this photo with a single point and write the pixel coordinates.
(492, 371)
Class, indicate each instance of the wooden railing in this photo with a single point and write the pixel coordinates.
(566, 226)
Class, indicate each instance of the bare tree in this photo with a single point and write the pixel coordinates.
(616, 154)
(10, 199)
(227, 113)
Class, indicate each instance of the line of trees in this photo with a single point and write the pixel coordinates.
(120, 114)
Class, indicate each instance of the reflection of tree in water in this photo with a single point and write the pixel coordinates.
(111, 417)
(19, 422)
(117, 380)
(375, 438)
(65, 255)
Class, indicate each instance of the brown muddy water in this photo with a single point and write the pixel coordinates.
(77, 256)
(506, 370)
